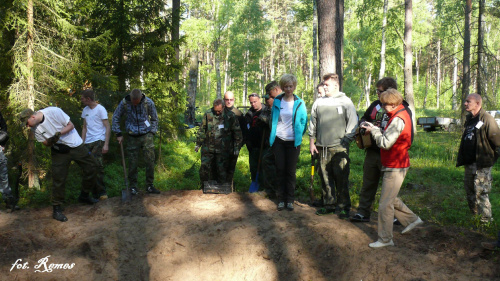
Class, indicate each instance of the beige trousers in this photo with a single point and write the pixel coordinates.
(391, 206)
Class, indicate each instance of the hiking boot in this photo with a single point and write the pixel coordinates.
(134, 191)
(380, 244)
(281, 206)
(325, 211)
(317, 203)
(152, 189)
(101, 196)
(359, 218)
(87, 199)
(289, 206)
(412, 225)
(492, 246)
(58, 215)
(344, 214)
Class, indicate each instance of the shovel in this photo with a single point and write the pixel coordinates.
(311, 190)
(254, 187)
(126, 191)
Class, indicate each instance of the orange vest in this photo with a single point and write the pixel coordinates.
(397, 156)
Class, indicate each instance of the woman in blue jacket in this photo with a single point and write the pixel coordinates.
(288, 124)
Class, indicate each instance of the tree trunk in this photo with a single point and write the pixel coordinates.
(466, 59)
(193, 77)
(408, 73)
(315, 50)
(455, 78)
(417, 55)
(176, 17)
(217, 70)
(33, 180)
(480, 50)
(339, 42)
(326, 36)
(438, 84)
(381, 74)
(367, 89)
(426, 86)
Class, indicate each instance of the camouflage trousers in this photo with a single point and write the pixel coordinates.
(334, 173)
(213, 166)
(60, 167)
(95, 149)
(477, 183)
(4, 174)
(144, 143)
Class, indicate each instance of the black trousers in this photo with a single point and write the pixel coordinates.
(286, 157)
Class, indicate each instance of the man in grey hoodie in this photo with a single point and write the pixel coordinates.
(331, 129)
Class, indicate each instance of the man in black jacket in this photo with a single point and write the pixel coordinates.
(478, 154)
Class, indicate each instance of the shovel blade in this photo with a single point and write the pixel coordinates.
(254, 187)
(126, 195)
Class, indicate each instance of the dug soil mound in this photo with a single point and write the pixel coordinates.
(188, 235)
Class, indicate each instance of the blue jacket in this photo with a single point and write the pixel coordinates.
(299, 119)
(140, 119)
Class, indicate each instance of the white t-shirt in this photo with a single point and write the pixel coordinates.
(284, 130)
(95, 128)
(54, 121)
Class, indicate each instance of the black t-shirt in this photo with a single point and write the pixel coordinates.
(469, 141)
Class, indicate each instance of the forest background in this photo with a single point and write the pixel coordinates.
(185, 54)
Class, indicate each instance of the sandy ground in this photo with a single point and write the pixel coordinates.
(188, 235)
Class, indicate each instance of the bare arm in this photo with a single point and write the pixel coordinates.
(105, 148)
(84, 130)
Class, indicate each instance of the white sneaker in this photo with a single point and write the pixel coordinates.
(412, 225)
(380, 244)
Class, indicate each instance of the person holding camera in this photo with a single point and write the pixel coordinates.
(394, 143)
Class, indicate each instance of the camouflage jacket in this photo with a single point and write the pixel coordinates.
(265, 119)
(219, 134)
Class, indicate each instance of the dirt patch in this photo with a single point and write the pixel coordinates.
(187, 235)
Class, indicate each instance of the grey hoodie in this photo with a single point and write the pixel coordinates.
(333, 121)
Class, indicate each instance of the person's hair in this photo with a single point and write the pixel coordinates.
(89, 93)
(271, 86)
(391, 97)
(135, 94)
(477, 97)
(321, 84)
(386, 83)
(253, 95)
(217, 102)
(288, 78)
(332, 76)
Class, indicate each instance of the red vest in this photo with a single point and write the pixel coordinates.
(397, 156)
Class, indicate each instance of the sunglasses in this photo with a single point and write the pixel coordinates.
(253, 95)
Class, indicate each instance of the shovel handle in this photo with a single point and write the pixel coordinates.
(123, 161)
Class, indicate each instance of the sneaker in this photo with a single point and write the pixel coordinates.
(152, 189)
(359, 218)
(289, 206)
(412, 225)
(344, 214)
(380, 244)
(87, 199)
(281, 206)
(396, 222)
(134, 191)
(492, 246)
(325, 211)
